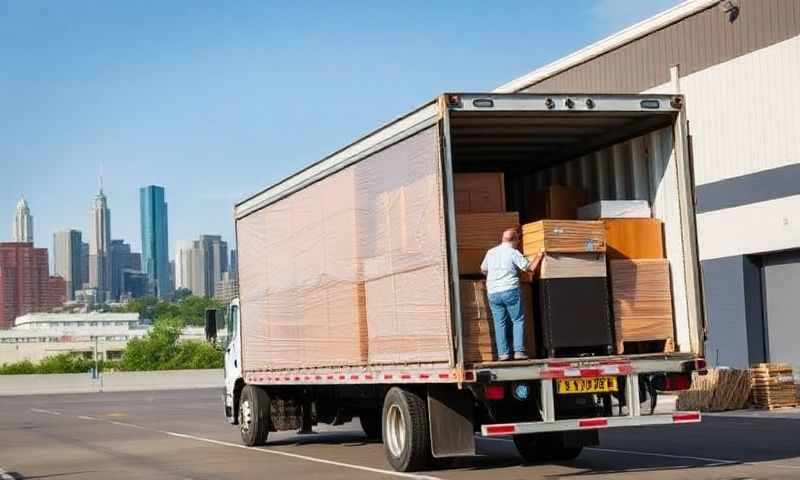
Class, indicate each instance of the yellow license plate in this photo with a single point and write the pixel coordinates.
(587, 385)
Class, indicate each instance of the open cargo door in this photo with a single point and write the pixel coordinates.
(616, 147)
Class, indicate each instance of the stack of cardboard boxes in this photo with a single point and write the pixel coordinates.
(640, 283)
(481, 218)
(595, 259)
(573, 293)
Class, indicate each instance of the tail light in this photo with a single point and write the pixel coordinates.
(495, 392)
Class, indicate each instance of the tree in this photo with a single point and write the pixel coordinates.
(193, 308)
(181, 293)
(161, 349)
(155, 349)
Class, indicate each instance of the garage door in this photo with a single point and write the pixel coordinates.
(781, 276)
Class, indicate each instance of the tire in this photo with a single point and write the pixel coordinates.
(406, 438)
(371, 424)
(545, 447)
(254, 416)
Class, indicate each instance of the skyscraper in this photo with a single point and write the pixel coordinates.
(67, 259)
(121, 259)
(84, 266)
(215, 261)
(233, 265)
(22, 226)
(25, 283)
(155, 238)
(190, 267)
(99, 244)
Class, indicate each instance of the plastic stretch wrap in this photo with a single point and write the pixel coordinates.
(351, 269)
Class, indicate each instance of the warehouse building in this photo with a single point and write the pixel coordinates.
(737, 63)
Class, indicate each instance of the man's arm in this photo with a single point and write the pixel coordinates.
(485, 264)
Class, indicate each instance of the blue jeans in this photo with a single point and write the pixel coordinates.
(508, 319)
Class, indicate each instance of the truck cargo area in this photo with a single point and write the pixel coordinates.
(605, 148)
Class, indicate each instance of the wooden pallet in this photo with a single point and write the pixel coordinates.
(772, 386)
(719, 390)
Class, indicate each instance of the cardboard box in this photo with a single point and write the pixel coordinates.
(556, 202)
(642, 301)
(634, 238)
(476, 233)
(573, 265)
(479, 333)
(480, 192)
(563, 236)
(615, 209)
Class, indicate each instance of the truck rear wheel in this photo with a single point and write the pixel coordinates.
(254, 415)
(406, 437)
(543, 447)
(371, 423)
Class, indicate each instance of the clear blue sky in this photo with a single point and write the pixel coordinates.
(215, 100)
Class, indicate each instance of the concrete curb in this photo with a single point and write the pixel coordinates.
(110, 382)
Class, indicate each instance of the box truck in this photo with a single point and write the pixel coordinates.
(349, 301)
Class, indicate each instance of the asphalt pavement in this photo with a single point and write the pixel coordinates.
(183, 435)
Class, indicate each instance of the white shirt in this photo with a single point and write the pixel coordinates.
(502, 265)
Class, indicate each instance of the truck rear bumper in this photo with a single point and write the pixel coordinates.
(501, 429)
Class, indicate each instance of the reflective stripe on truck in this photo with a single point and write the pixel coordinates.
(501, 429)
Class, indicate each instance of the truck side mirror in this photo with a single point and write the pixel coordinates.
(211, 324)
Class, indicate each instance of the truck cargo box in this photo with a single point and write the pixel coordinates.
(357, 260)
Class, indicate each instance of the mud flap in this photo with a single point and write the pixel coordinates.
(451, 416)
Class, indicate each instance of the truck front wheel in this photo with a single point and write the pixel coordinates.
(254, 415)
(543, 447)
(406, 438)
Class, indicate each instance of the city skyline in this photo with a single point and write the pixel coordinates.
(98, 211)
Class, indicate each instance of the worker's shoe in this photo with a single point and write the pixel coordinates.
(503, 358)
(520, 356)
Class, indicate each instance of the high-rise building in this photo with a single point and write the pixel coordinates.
(215, 261)
(233, 265)
(22, 226)
(84, 266)
(226, 289)
(67, 259)
(136, 261)
(121, 258)
(133, 285)
(190, 267)
(25, 282)
(99, 245)
(155, 238)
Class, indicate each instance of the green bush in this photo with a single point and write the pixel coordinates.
(61, 363)
(161, 349)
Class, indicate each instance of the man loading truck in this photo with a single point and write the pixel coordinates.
(502, 266)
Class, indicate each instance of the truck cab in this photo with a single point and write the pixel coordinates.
(233, 363)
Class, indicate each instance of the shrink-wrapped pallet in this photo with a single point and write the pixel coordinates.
(310, 262)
